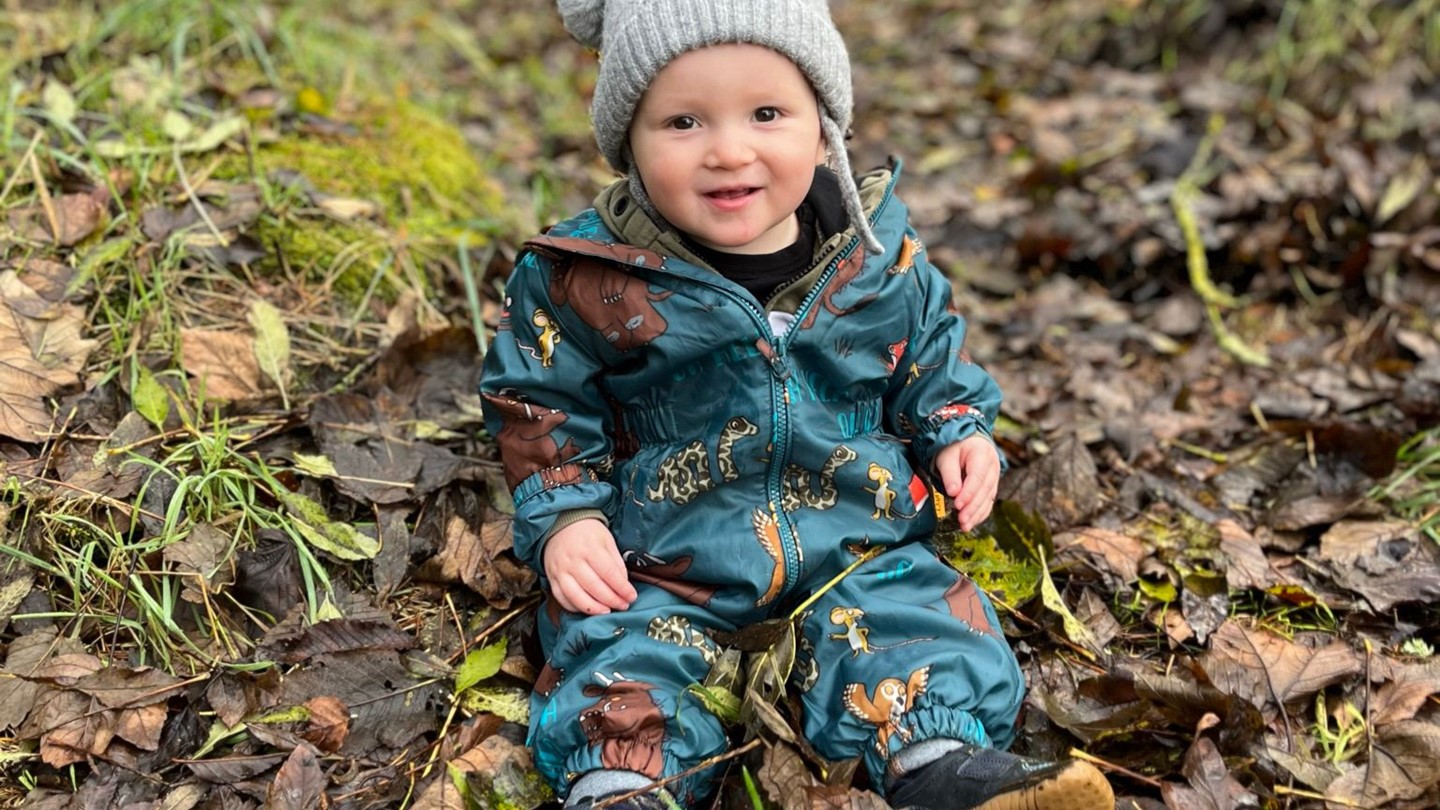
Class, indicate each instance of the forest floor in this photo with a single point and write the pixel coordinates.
(254, 541)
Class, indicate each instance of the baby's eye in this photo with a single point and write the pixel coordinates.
(766, 114)
(683, 122)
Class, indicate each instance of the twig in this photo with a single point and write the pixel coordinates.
(1181, 198)
(45, 201)
(195, 199)
(24, 159)
(1310, 794)
(1120, 769)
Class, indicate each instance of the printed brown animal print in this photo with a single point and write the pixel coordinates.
(615, 251)
(609, 300)
(886, 710)
(848, 270)
(525, 440)
(627, 724)
(963, 598)
(667, 576)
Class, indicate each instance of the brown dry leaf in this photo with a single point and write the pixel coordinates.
(76, 216)
(500, 768)
(1062, 486)
(1113, 552)
(65, 669)
(235, 205)
(201, 557)
(1212, 787)
(1387, 562)
(120, 688)
(389, 706)
(1264, 668)
(223, 363)
(41, 353)
(232, 769)
(1401, 698)
(329, 723)
(142, 726)
(784, 777)
(26, 656)
(292, 642)
(1245, 563)
(1401, 768)
(299, 784)
(479, 559)
(67, 728)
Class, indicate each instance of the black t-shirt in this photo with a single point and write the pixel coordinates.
(821, 215)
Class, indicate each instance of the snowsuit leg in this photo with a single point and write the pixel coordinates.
(612, 694)
(905, 648)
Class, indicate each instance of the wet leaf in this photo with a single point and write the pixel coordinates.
(1063, 486)
(141, 726)
(1245, 563)
(122, 688)
(291, 642)
(388, 706)
(15, 585)
(784, 777)
(481, 559)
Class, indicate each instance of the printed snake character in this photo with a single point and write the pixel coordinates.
(677, 630)
(686, 474)
(886, 711)
(800, 491)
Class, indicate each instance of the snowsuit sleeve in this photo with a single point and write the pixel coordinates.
(937, 394)
(544, 407)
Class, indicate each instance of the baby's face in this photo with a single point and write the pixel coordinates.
(726, 140)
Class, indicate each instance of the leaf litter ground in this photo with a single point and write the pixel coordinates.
(256, 547)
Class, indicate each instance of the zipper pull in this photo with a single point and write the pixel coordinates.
(779, 366)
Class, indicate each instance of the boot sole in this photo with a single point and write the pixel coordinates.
(1080, 786)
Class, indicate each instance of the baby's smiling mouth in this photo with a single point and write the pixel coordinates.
(731, 193)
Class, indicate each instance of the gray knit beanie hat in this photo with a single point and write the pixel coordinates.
(636, 38)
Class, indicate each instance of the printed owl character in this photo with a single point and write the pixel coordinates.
(893, 699)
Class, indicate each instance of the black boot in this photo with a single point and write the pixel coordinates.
(975, 778)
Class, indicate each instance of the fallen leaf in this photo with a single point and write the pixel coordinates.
(1212, 786)
(76, 216)
(41, 354)
(784, 777)
(1387, 562)
(223, 363)
(272, 343)
(1267, 670)
(1063, 486)
(328, 724)
(388, 706)
(1245, 563)
(202, 558)
(141, 726)
(298, 784)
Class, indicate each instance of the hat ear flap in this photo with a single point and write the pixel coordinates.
(585, 20)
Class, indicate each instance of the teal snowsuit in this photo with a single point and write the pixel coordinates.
(739, 472)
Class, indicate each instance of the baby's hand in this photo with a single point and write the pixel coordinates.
(585, 570)
(970, 473)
